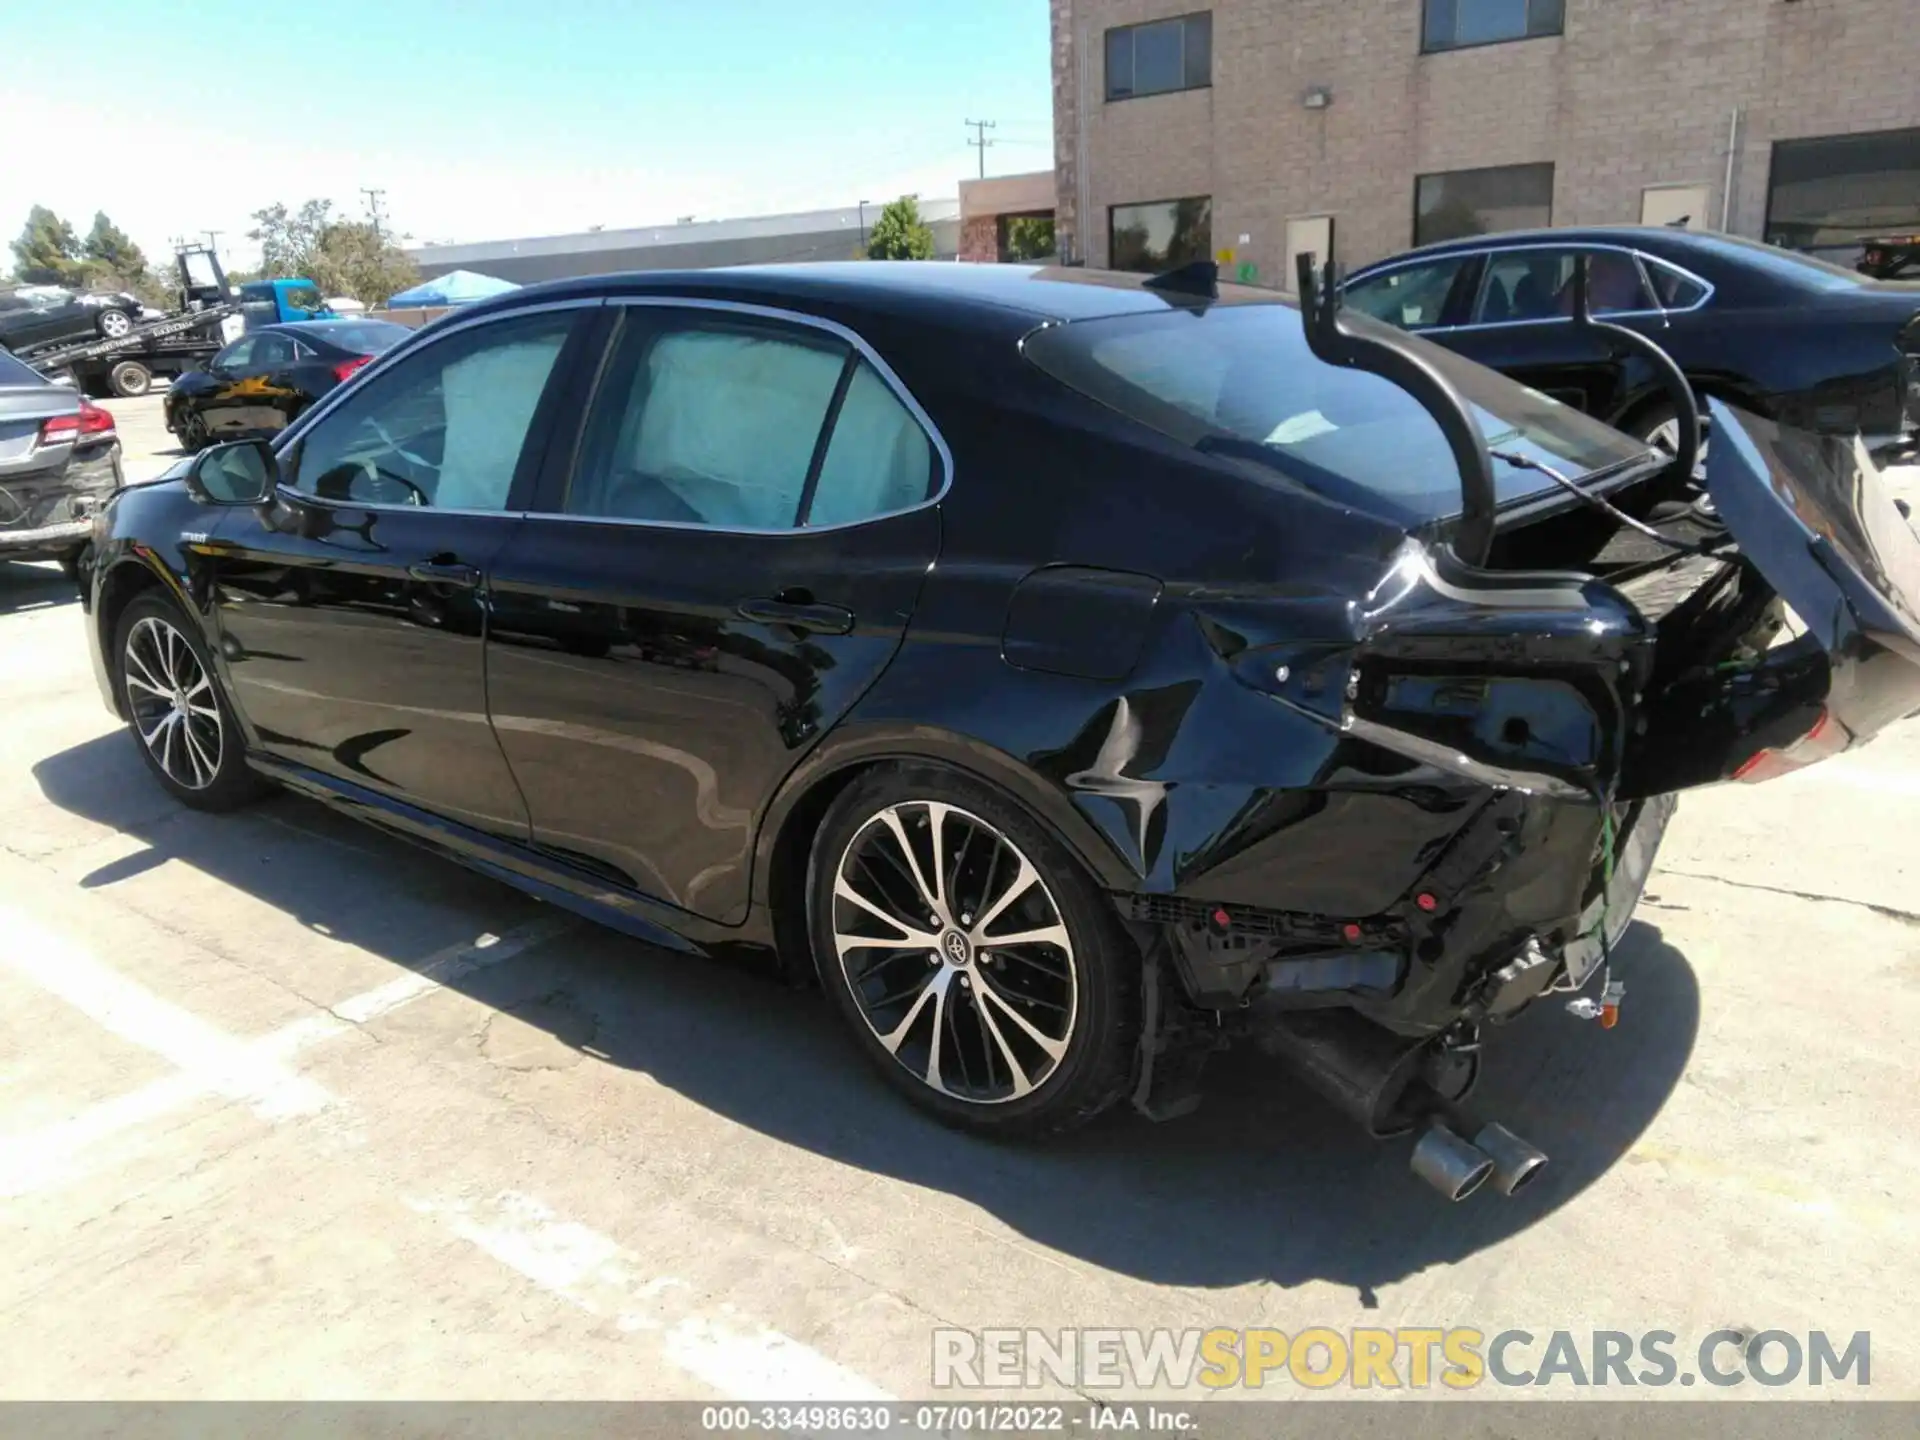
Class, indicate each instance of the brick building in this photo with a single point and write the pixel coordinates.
(1255, 128)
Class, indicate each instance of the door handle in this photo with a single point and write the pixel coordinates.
(446, 572)
(797, 614)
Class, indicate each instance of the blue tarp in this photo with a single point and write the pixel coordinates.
(456, 287)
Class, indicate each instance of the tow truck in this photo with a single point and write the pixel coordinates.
(178, 341)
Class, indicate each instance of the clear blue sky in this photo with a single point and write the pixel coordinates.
(492, 120)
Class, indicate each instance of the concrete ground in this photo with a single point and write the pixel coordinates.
(289, 1109)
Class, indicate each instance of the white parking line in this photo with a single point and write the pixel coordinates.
(739, 1359)
(210, 1061)
(220, 1063)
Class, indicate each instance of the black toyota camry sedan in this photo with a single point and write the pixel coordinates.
(1070, 671)
(1780, 334)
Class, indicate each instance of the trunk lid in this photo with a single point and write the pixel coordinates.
(1555, 682)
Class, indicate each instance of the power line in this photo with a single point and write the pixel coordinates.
(373, 194)
(980, 142)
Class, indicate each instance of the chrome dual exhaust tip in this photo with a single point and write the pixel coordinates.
(1454, 1167)
(1457, 1167)
(1516, 1164)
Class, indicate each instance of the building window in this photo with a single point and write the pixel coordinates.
(1162, 56)
(1458, 24)
(1159, 235)
(1458, 203)
(1826, 195)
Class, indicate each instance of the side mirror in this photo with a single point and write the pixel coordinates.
(243, 472)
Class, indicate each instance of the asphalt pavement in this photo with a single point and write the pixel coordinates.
(290, 1109)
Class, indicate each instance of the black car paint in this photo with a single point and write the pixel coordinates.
(1817, 358)
(1239, 697)
(263, 398)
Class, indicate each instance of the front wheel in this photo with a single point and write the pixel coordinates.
(191, 428)
(180, 718)
(979, 967)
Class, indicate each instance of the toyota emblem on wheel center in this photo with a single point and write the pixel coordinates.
(956, 947)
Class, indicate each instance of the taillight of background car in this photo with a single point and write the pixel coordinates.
(91, 420)
(348, 367)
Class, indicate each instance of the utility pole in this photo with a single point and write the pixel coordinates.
(373, 194)
(980, 141)
(863, 227)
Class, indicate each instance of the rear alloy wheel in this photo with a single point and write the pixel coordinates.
(184, 726)
(1661, 429)
(115, 323)
(981, 970)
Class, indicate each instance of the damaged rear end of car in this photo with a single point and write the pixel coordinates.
(1504, 701)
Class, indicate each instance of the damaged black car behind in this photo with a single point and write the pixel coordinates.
(1074, 673)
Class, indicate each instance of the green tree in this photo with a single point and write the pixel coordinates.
(899, 233)
(1028, 237)
(107, 245)
(342, 257)
(47, 252)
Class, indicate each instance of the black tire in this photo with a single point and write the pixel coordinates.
(191, 430)
(225, 782)
(1088, 988)
(130, 378)
(110, 323)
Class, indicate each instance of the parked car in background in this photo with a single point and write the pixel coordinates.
(263, 381)
(33, 315)
(59, 464)
(1784, 335)
(1070, 669)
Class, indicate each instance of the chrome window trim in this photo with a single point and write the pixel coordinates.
(430, 336)
(1488, 252)
(852, 338)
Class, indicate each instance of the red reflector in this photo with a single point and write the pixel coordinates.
(1350, 931)
(1222, 919)
(1426, 902)
(347, 367)
(1824, 738)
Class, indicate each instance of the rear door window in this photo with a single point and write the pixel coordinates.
(1522, 285)
(1675, 289)
(722, 420)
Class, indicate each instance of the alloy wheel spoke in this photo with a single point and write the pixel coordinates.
(203, 766)
(1045, 935)
(1024, 879)
(150, 737)
(1022, 1083)
(891, 819)
(936, 827)
(936, 986)
(909, 937)
(151, 689)
(1052, 1048)
(147, 679)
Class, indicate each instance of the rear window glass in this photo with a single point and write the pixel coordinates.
(1244, 372)
(13, 372)
(1676, 291)
(365, 337)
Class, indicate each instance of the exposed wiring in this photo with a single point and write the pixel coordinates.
(1600, 502)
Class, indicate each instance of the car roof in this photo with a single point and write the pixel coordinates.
(997, 296)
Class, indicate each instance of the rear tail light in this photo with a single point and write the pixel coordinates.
(348, 367)
(91, 420)
(1827, 737)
